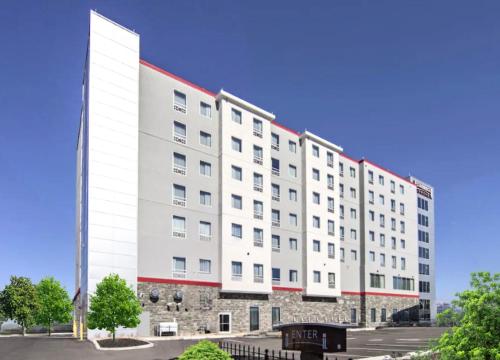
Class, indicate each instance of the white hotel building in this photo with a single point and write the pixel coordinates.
(224, 220)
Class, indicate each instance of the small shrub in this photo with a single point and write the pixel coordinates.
(204, 350)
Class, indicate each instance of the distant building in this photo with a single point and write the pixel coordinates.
(442, 307)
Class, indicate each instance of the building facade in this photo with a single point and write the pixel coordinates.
(224, 220)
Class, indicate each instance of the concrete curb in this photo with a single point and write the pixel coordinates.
(98, 347)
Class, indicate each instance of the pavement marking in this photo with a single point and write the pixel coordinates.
(375, 349)
(351, 338)
(400, 345)
(411, 339)
(376, 340)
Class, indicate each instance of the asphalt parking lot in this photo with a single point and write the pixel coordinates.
(360, 344)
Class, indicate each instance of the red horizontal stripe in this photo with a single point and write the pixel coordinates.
(179, 281)
(285, 128)
(348, 157)
(282, 288)
(388, 171)
(178, 78)
(378, 294)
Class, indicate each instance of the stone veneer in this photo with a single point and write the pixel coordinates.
(202, 304)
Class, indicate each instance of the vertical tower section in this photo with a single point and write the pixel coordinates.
(110, 159)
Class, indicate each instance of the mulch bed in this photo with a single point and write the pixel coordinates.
(121, 342)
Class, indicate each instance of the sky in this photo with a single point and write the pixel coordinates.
(411, 85)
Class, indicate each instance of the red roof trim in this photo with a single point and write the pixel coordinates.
(178, 78)
(378, 294)
(282, 288)
(349, 158)
(179, 281)
(387, 170)
(285, 128)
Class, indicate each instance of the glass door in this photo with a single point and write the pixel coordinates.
(225, 322)
(254, 318)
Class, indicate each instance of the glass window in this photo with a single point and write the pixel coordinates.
(353, 234)
(381, 180)
(331, 280)
(293, 219)
(292, 170)
(236, 202)
(354, 255)
(315, 174)
(205, 266)
(316, 245)
(236, 173)
(257, 127)
(315, 151)
(382, 259)
(342, 254)
(331, 204)
(205, 110)
(331, 227)
(329, 181)
(292, 146)
(275, 141)
(180, 101)
(180, 129)
(276, 274)
(258, 235)
(179, 264)
(293, 243)
(275, 241)
(370, 176)
(293, 276)
(205, 228)
(403, 263)
(316, 222)
(257, 154)
(393, 186)
(329, 159)
(352, 172)
(381, 199)
(236, 268)
(393, 260)
(316, 198)
(236, 144)
(179, 192)
(205, 198)
(236, 231)
(258, 272)
(371, 236)
(180, 160)
(331, 250)
(236, 116)
(205, 139)
(205, 168)
(372, 256)
(353, 213)
(179, 223)
(316, 276)
(382, 240)
(292, 194)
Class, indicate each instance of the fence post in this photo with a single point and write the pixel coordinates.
(266, 354)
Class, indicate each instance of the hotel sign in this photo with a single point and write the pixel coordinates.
(314, 338)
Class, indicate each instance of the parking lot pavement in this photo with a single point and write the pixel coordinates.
(360, 344)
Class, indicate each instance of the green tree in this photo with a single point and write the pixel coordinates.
(204, 350)
(19, 302)
(477, 336)
(449, 317)
(54, 301)
(114, 304)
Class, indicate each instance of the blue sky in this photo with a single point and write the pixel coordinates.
(413, 86)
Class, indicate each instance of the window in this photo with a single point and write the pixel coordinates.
(258, 237)
(236, 144)
(393, 243)
(205, 231)
(258, 181)
(352, 171)
(423, 252)
(205, 110)
(292, 171)
(382, 240)
(341, 169)
(382, 220)
(205, 198)
(329, 181)
(393, 186)
(275, 218)
(180, 102)
(402, 226)
(276, 275)
(377, 281)
(381, 199)
(341, 207)
(292, 146)
(329, 159)
(381, 180)
(316, 276)
(293, 219)
(331, 227)
(316, 222)
(275, 192)
(371, 214)
(371, 236)
(293, 276)
(236, 231)
(316, 245)
(236, 202)
(257, 155)
(178, 226)
(373, 315)
(353, 213)
(275, 242)
(423, 220)
(179, 132)
(179, 267)
(401, 189)
(383, 315)
(423, 236)
(423, 269)
(354, 318)
(354, 255)
(403, 244)
(341, 190)
(331, 204)
(342, 232)
(393, 205)
(353, 234)
(258, 210)
(331, 280)
(236, 116)
(316, 198)
(353, 193)
(371, 197)
(424, 286)
(275, 166)
(236, 173)
(179, 195)
(403, 263)
(423, 204)
(179, 164)
(292, 243)
(372, 256)
(258, 273)
(331, 250)
(401, 208)
(236, 270)
(370, 176)
(382, 259)
(342, 254)
(257, 127)
(292, 194)
(393, 224)
(205, 168)
(205, 139)
(401, 283)
(205, 266)
(393, 262)
(275, 141)
(315, 174)
(315, 151)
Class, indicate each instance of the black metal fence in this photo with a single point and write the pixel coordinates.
(246, 352)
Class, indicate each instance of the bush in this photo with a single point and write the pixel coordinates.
(204, 350)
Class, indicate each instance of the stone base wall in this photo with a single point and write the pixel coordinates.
(402, 306)
(201, 306)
